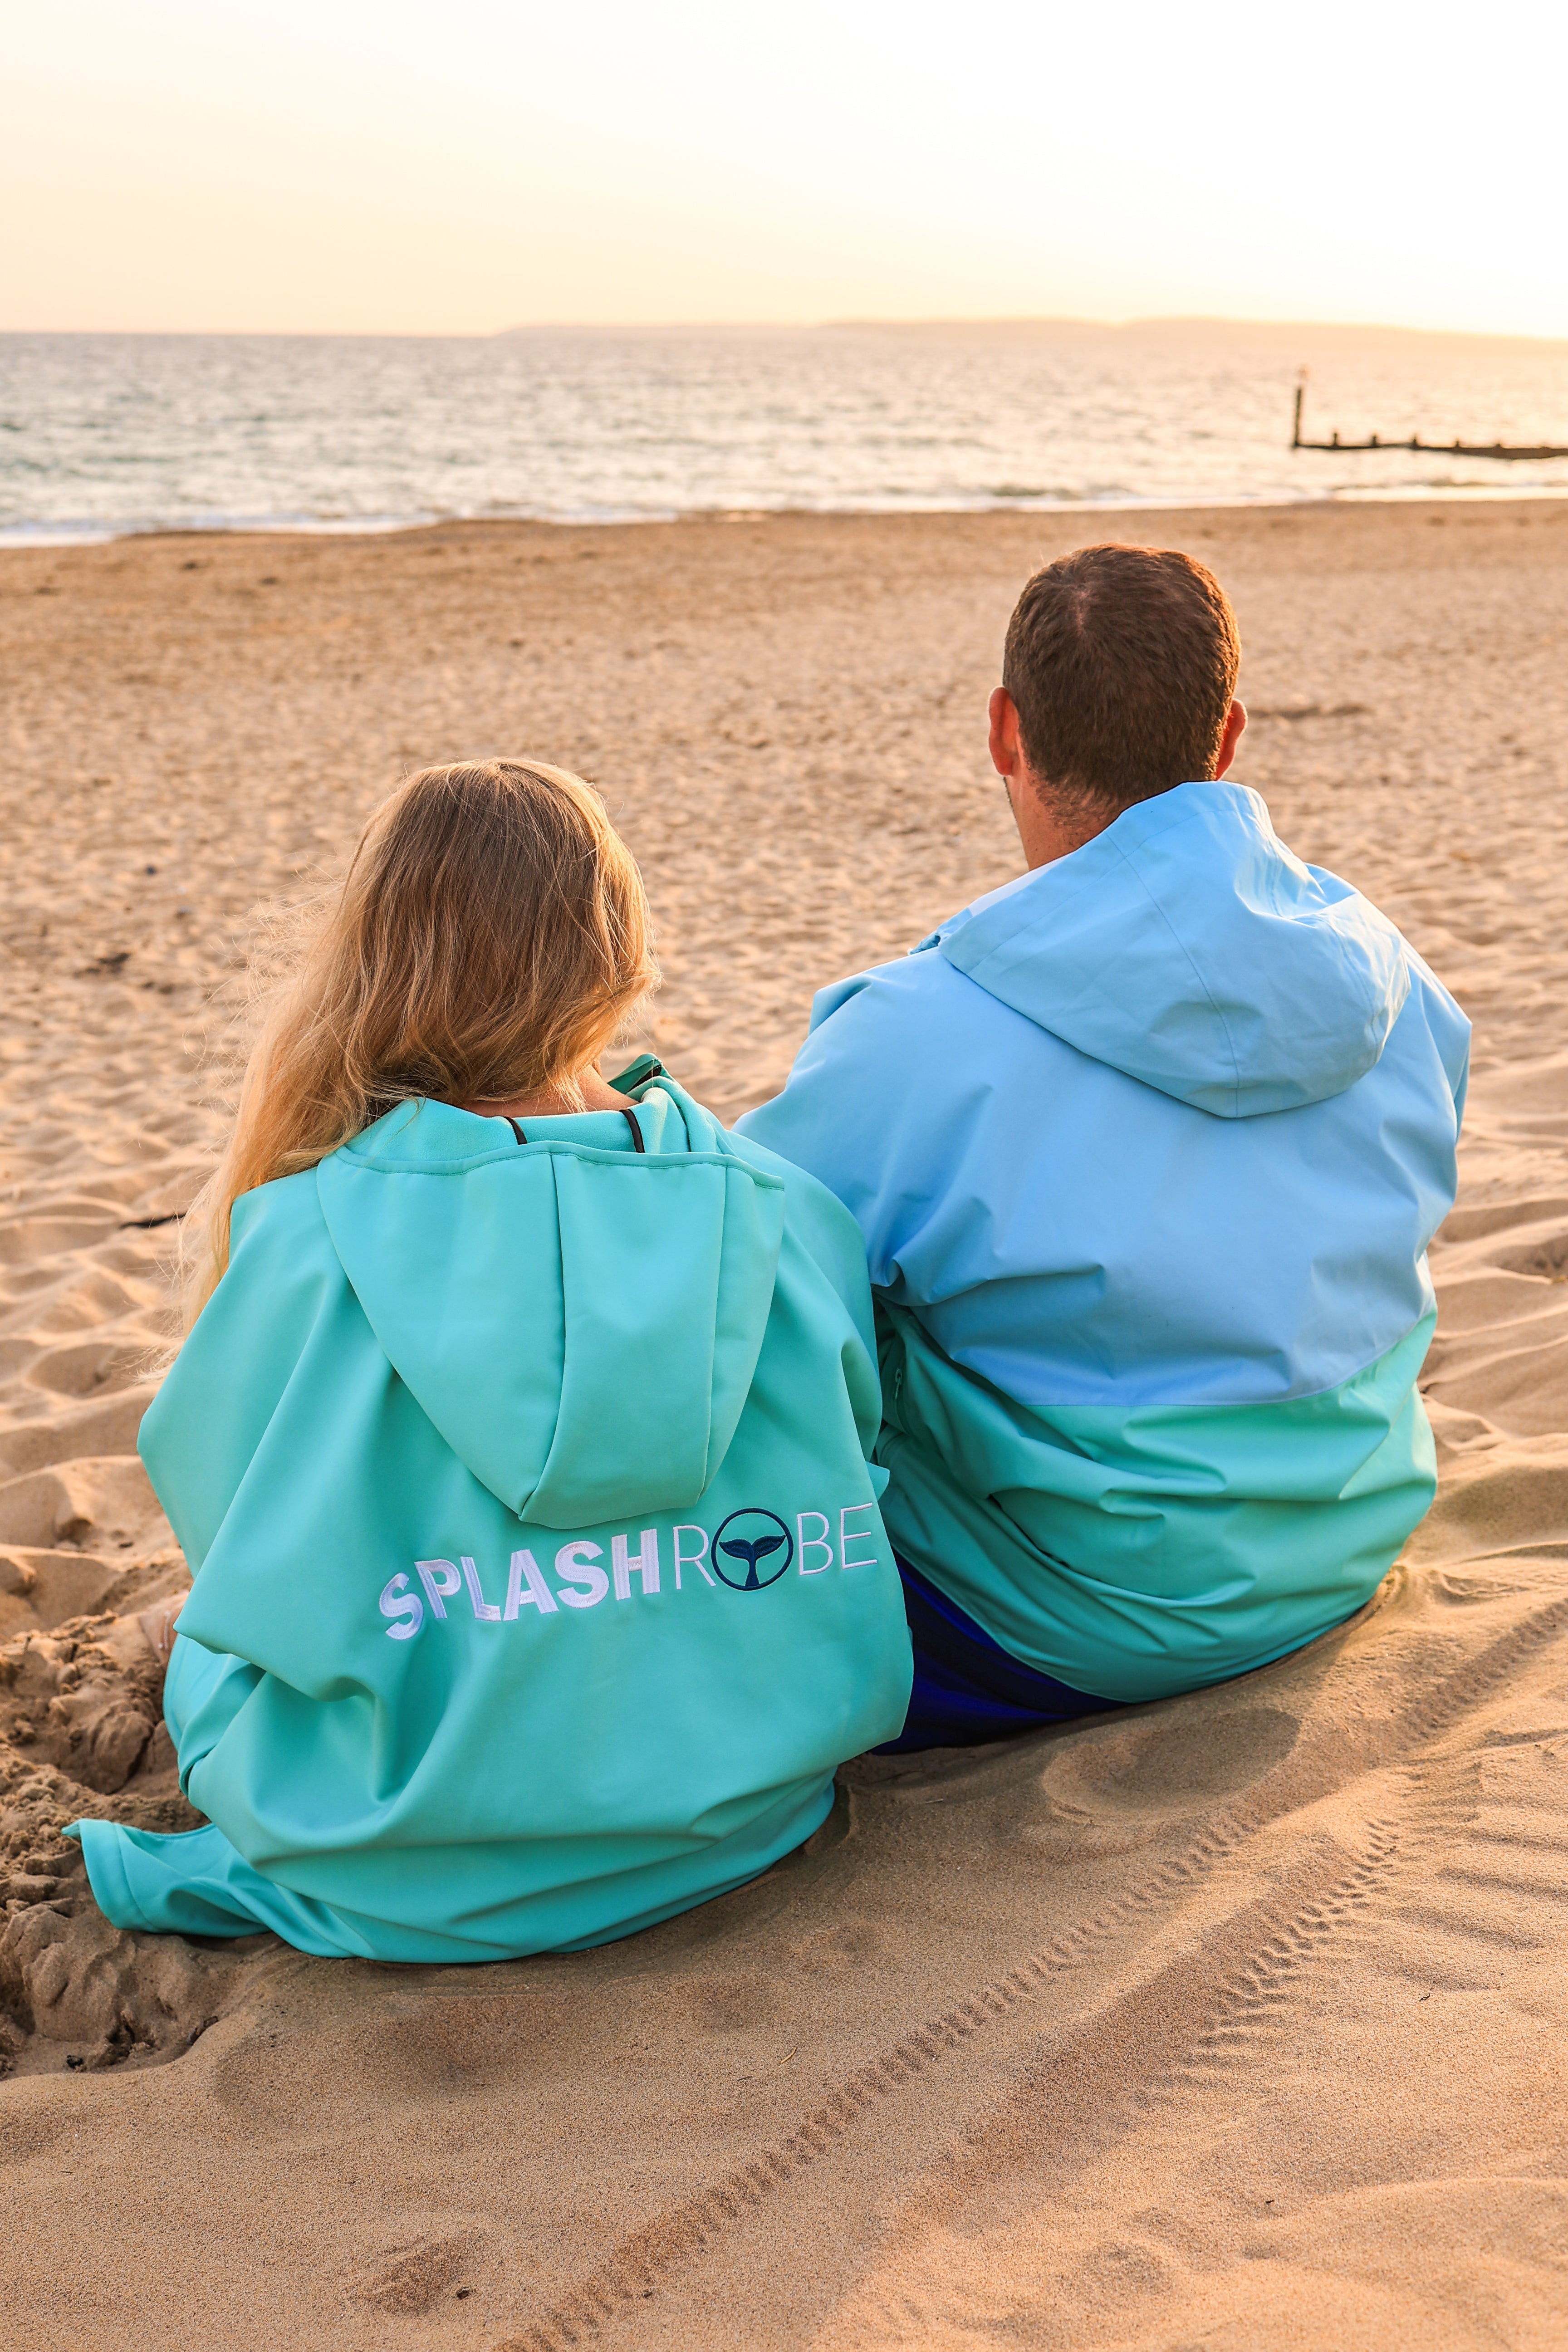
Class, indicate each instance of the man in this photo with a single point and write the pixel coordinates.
(1147, 1147)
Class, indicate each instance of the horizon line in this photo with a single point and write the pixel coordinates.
(1015, 321)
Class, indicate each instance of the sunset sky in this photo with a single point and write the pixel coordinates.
(400, 165)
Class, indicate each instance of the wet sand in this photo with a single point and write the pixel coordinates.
(1237, 2021)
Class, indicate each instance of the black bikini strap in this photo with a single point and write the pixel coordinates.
(515, 1129)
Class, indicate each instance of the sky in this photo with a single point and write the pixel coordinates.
(460, 166)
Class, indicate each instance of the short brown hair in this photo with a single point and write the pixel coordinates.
(1121, 663)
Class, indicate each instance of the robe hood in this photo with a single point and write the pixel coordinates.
(582, 1326)
(1188, 947)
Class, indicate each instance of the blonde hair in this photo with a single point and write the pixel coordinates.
(490, 937)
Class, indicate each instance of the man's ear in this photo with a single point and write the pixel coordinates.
(1234, 726)
(1006, 750)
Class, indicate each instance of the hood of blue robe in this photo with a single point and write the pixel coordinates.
(1188, 947)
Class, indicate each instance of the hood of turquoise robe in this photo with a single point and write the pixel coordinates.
(638, 1307)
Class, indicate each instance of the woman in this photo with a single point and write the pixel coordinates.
(518, 1449)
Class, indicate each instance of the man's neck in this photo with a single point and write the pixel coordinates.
(1052, 825)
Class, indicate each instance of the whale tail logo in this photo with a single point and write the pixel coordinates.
(738, 1549)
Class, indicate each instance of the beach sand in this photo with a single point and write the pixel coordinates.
(1234, 2021)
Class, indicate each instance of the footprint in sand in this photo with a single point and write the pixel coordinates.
(1169, 1767)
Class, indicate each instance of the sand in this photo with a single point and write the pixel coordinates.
(1229, 2022)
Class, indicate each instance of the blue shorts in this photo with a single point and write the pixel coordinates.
(967, 1688)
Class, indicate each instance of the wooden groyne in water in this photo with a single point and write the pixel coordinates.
(1436, 448)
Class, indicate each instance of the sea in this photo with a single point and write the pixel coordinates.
(102, 435)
